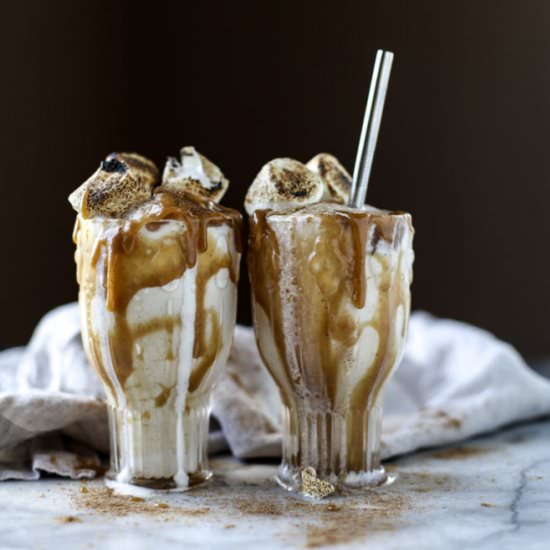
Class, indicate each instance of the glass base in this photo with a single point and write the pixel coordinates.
(163, 449)
(352, 482)
(140, 487)
(326, 452)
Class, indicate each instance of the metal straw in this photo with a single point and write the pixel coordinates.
(371, 126)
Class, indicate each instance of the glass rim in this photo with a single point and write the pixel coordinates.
(281, 215)
(121, 221)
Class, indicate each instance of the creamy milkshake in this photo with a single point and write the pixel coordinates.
(330, 289)
(158, 264)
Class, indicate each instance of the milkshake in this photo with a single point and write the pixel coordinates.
(158, 265)
(331, 301)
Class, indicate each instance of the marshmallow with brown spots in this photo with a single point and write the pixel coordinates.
(335, 176)
(284, 183)
(122, 181)
(195, 174)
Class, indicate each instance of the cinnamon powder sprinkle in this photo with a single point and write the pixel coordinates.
(326, 524)
(102, 500)
(459, 452)
(68, 519)
(346, 523)
(253, 506)
(339, 521)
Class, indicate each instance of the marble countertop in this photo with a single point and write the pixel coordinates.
(491, 492)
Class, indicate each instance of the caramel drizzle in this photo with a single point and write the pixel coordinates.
(263, 271)
(131, 264)
(330, 273)
(208, 343)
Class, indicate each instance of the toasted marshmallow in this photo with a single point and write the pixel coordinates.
(122, 181)
(335, 176)
(284, 183)
(194, 174)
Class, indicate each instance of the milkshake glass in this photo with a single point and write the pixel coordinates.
(331, 301)
(158, 268)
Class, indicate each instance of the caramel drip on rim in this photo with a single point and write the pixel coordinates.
(131, 262)
(309, 285)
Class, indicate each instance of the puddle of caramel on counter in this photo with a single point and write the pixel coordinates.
(131, 263)
(328, 272)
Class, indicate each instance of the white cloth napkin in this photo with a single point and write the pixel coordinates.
(455, 381)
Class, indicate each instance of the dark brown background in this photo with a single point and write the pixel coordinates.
(464, 142)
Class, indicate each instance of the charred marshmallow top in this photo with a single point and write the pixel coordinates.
(286, 183)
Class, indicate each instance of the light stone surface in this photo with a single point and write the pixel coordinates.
(487, 493)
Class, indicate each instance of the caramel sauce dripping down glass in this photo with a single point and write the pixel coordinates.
(158, 300)
(331, 301)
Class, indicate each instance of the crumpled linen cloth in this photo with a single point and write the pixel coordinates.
(455, 381)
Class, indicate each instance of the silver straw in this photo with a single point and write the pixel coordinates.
(371, 126)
